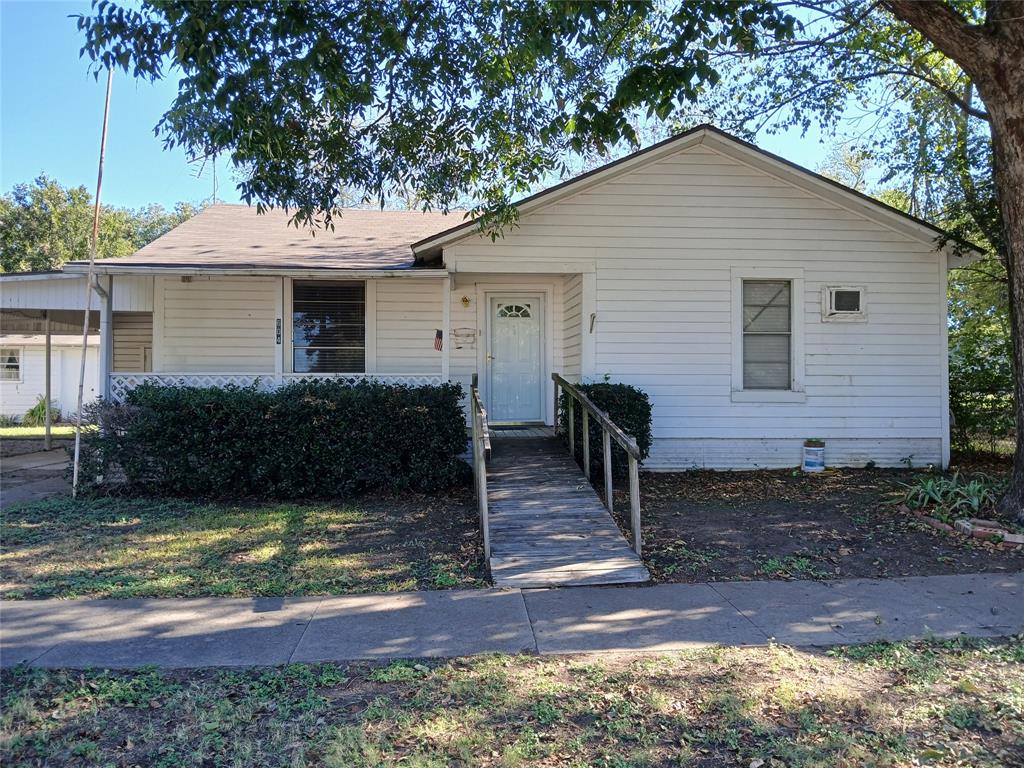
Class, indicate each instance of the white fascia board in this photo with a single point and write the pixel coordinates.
(309, 274)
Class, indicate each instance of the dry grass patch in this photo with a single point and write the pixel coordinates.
(928, 703)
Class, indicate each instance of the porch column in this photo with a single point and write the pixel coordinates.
(106, 336)
(446, 327)
(47, 439)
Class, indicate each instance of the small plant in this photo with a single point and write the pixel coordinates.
(36, 415)
(790, 567)
(8, 421)
(945, 497)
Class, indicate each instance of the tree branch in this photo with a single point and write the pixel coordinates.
(951, 33)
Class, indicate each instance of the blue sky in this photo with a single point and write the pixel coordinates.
(51, 110)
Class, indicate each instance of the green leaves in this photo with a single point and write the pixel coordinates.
(43, 225)
(456, 103)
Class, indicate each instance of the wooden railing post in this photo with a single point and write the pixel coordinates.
(480, 468)
(586, 444)
(554, 413)
(572, 426)
(634, 502)
(606, 440)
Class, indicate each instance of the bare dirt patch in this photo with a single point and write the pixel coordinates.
(713, 526)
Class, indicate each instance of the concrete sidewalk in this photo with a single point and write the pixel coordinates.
(32, 476)
(204, 632)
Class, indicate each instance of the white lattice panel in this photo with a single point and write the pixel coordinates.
(122, 383)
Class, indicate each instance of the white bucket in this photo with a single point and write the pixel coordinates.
(814, 459)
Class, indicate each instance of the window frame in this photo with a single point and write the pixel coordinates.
(830, 314)
(795, 393)
(21, 365)
(288, 330)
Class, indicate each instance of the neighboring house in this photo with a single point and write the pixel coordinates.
(757, 304)
(23, 372)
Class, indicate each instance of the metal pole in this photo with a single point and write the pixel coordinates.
(47, 439)
(89, 282)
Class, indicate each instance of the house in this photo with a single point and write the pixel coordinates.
(35, 306)
(757, 303)
(23, 372)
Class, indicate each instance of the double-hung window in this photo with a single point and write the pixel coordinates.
(328, 326)
(10, 364)
(767, 334)
(768, 308)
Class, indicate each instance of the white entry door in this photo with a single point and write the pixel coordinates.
(515, 359)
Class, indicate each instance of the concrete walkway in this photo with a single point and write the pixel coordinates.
(33, 476)
(204, 632)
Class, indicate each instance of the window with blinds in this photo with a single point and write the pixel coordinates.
(767, 334)
(328, 327)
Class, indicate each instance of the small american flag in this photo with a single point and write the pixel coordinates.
(438, 339)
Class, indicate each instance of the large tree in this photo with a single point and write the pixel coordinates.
(44, 224)
(487, 98)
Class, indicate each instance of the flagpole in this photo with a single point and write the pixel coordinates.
(90, 279)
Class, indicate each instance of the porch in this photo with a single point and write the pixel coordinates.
(416, 327)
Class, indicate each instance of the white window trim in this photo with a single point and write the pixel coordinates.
(21, 367)
(796, 393)
(829, 315)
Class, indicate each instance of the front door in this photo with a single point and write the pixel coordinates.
(515, 358)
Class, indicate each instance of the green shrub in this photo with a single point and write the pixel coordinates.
(36, 415)
(628, 407)
(308, 439)
(980, 387)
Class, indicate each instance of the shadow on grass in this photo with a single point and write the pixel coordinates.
(109, 547)
(937, 703)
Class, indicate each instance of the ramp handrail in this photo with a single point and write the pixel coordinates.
(481, 452)
(609, 431)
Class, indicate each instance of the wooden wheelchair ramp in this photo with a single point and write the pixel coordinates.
(548, 526)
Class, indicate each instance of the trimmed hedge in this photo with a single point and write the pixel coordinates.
(627, 406)
(307, 439)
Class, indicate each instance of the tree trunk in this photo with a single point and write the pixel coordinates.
(1008, 157)
(992, 54)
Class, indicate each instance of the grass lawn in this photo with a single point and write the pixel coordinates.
(938, 704)
(785, 524)
(109, 547)
(61, 430)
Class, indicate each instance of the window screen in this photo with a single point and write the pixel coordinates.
(10, 364)
(328, 327)
(767, 331)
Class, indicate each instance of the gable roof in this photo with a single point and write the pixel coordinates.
(429, 247)
(236, 237)
(230, 238)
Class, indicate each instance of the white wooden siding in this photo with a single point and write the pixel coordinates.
(132, 293)
(664, 239)
(408, 315)
(133, 333)
(572, 360)
(220, 324)
(16, 397)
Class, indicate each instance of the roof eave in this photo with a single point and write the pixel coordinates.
(81, 268)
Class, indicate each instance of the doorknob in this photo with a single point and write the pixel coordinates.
(490, 358)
